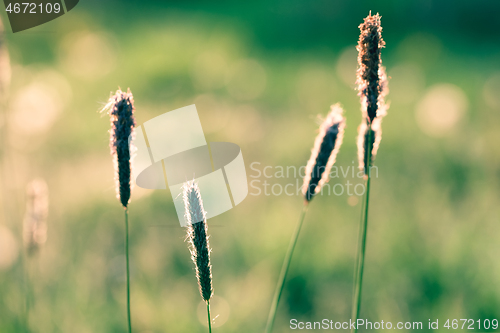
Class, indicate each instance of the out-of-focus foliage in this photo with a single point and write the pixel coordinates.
(259, 73)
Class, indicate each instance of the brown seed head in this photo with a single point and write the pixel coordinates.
(121, 111)
(371, 79)
(372, 89)
(197, 234)
(324, 152)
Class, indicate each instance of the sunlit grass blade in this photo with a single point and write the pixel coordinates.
(323, 156)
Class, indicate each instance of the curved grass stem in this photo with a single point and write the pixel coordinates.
(284, 271)
(360, 262)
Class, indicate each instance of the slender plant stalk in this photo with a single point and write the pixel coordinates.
(372, 89)
(356, 264)
(360, 262)
(121, 111)
(284, 270)
(197, 234)
(323, 155)
(34, 236)
(26, 293)
(209, 320)
(128, 272)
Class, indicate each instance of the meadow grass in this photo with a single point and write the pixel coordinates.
(197, 235)
(34, 236)
(372, 88)
(323, 156)
(121, 111)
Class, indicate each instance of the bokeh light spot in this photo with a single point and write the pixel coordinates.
(352, 200)
(441, 108)
(88, 55)
(35, 108)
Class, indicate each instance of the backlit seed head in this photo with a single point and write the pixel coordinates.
(197, 234)
(363, 142)
(372, 89)
(121, 111)
(371, 77)
(324, 152)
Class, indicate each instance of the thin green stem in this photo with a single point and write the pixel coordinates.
(356, 266)
(209, 320)
(284, 271)
(26, 291)
(128, 272)
(360, 263)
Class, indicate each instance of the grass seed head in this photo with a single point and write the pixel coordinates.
(35, 218)
(324, 152)
(372, 89)
(371, 78)
(197, 235)
(121, 111)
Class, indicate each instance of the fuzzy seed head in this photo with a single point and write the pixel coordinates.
(363, 142)
(35, 218)
(324, 152)
(371, 78)
(372, 89)
(197, 235)
(121, 111)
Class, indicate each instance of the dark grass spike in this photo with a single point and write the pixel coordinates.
(372, 89)
(323, 155)
(198, 238)
(372, 86)
(369, 77)
(324, 152)
(197, 235)
(121, 111)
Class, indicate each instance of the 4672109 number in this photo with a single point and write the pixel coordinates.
(471, 324)
(33, 8)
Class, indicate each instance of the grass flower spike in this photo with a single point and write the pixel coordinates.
(34, 235)
(121, 111)
(197, 235)
(372, 87)
(323, 155)
(35, 219)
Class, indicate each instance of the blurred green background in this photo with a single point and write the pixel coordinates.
(259, 73)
